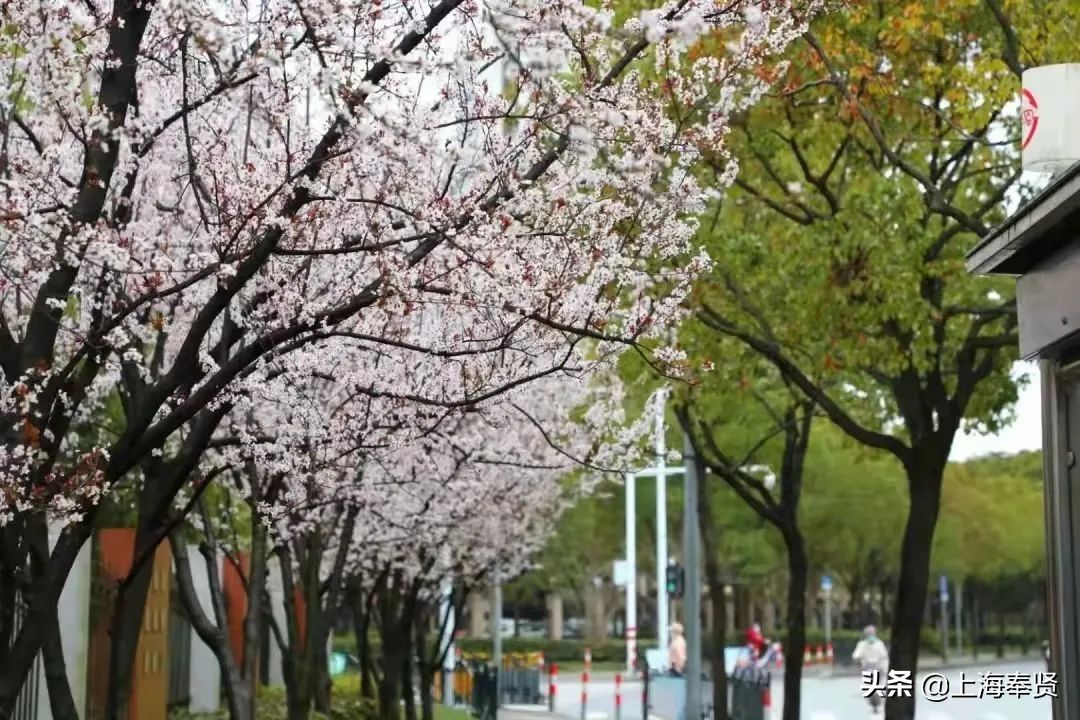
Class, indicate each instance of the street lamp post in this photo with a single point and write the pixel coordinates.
(631, 575)
(692, 594)
(496, 631)
(661, 472)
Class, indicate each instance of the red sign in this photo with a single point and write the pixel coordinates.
(1029, 114)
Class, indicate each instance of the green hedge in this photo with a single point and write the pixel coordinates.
(270, 704)
(558, 651)
(611, 650)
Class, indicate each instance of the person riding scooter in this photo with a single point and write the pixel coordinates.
(872, 655)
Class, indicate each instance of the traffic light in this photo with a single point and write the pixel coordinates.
(675, 580)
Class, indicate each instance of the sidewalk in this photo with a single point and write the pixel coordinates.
(529, 712)
(932, 662)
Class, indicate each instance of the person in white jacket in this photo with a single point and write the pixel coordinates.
(871, 654)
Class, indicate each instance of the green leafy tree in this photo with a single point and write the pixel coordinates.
(885, 153)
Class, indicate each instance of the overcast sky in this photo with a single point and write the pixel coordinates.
(1024, 434)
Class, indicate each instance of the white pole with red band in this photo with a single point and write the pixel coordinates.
(631, 574)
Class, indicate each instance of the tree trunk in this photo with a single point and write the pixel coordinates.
(292, 666)
(426, 666)
(61, 701)
(973, 621)
(883, 593)
(408, 687)
(393, 650)
(796, 622)
(238, 695)
(127, 616)
(710, 545)
(42, 601)
(924, 487)
(1001, 635)
(256, 591)
(361, 623)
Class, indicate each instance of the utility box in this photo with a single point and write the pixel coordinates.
(1040, 246)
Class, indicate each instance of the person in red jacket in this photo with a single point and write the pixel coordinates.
(755, 640)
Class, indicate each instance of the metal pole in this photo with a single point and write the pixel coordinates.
(661, 542)
(631, 580)
(692, 602)
(496, 632)
(828, 616)
(446, 616)
(959, 617)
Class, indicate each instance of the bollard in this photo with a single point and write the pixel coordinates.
(551, 687)
(766, 703)
(584, 691)
(618, 696)
(829, 653)
(808, 657)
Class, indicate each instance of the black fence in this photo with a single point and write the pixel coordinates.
(748, 694)
(482, 689)
(748, 689)
(26, 706)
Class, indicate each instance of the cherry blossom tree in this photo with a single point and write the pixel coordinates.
(480, 487)
(197, 191)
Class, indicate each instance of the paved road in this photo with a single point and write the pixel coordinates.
(824, 698)
(839, 698)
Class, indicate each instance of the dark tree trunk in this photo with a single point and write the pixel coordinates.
(973, 621)
(798, 572)
(238, 696)
(256, 591)
(361, 622)
(408, 687)
(130, 606)
(710, 545)
(924, 487)
(1001, 635)
(429, 657)
(60, 699)
(42, 600)
(393, 651)
(293, 671)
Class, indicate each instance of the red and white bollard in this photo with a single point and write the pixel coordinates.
(585, 687)
(631, 649)
(779, 656)
(618, 696)
(828, 653)
(766, 702)
(585, 682)
(808, 657)
(820, 654)
(551, 686)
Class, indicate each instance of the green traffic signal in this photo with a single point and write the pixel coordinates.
(675, 580)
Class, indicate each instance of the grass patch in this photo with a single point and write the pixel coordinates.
(443, 712)
(575, 667)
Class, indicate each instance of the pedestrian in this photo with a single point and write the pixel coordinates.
(755, 639)
(872, 656)
(677, 651)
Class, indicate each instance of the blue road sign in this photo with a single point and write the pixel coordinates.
(826, 583)
(943, 588)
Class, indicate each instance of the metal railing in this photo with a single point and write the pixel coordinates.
(26, 705)
(748, 688)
